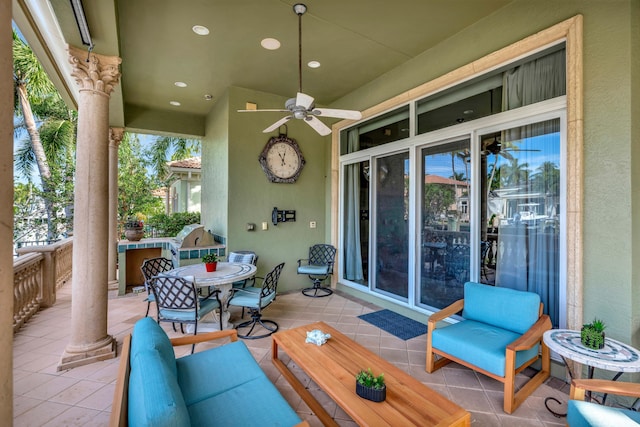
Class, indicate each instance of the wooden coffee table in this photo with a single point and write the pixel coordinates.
(333, 367)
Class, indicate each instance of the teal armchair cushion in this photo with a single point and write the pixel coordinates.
(155, 398)
(587, 414)
(147, 335)
(481, 344)
(504, 308)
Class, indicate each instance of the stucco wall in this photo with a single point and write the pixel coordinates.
(608, 238)
(251, 197)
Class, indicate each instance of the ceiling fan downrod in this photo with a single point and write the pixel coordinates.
(299, 9)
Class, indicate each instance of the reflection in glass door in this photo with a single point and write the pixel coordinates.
(391, 224)
(522, 172)
(445, 232)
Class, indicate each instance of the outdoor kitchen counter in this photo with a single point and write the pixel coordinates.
(132, 254)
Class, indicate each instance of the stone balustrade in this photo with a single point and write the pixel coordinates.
(37, 273)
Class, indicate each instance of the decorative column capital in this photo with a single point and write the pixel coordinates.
(94, 72)
(115, 136)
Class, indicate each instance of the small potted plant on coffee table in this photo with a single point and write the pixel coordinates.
(210, 262)
(371, 387)
(592, 334)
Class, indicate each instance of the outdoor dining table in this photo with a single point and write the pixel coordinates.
(222, 280)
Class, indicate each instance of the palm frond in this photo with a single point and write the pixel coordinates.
(24, 159)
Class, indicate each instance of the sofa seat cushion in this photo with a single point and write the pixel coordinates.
(584, 414)
(147, 335)
(480, 344)
(505, 308)
(155, 398)
(314, 270)
(214, 371)
(256, 402)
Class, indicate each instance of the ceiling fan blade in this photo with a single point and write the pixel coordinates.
(258, 111)
(320, 127)
(277, 124)
(338, 114)
(304, 100)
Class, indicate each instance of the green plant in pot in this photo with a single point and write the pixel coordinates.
(370, 386)
(592, 334)
(210, 262)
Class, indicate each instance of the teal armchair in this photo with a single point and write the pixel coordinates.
(589, 414)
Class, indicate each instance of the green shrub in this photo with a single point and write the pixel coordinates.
(170, 225)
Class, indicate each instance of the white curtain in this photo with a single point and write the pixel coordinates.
(528, 254)
(352, 251)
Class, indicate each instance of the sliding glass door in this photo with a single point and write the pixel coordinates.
(445, 229)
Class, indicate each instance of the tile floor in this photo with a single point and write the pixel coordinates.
(82, 396)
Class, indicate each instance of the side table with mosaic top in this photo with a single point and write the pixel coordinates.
(614, 356)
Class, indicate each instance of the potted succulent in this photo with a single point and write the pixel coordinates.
(134, 229)
(371, 387)
(210, 262)
(592, 334)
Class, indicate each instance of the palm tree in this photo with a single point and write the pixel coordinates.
(50, 143)
(163, 145)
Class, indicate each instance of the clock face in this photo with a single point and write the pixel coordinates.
(282, 160)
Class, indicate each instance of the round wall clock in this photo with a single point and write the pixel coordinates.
(282, 160)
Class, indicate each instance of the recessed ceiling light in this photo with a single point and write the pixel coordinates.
(180, 84)
(313, 64)
(174, 103)
(200, 30)
(468, 111)
(270, 44)
(208, 97)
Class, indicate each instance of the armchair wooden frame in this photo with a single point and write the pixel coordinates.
(529, 339)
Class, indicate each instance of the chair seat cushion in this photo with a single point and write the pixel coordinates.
(206, 306)
(250, 298)
(314, 270)
(256, 402)
(480, 344)
(216, 370)
(583, 414)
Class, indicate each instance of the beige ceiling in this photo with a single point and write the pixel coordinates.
(354, 40)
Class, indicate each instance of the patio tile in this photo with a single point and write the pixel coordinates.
(83, 395)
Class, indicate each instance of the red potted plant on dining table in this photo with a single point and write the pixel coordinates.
(210, 262)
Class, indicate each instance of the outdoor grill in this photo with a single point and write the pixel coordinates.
(188, 246)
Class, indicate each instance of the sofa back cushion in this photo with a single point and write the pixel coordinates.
(504, 308)
(155, 398)
(147, 335)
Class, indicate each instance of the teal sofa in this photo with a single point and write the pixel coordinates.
(589, 414)
(499, 335)
(221, 386)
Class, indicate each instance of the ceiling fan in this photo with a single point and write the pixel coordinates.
(302, 107)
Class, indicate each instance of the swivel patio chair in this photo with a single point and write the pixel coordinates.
(178, 302)
(318, 267)
(151, 268)
(256, 299)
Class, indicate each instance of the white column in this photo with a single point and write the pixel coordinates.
(91, 235)
(115, 137)
(6, 215)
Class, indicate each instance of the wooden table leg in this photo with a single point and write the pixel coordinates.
(302, 391)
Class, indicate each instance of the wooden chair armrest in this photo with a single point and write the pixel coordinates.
(579, 386)
(533, 336)
(232, 334)
(450, 310)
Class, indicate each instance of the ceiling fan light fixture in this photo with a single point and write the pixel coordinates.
(270, 43)
(299, 8)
